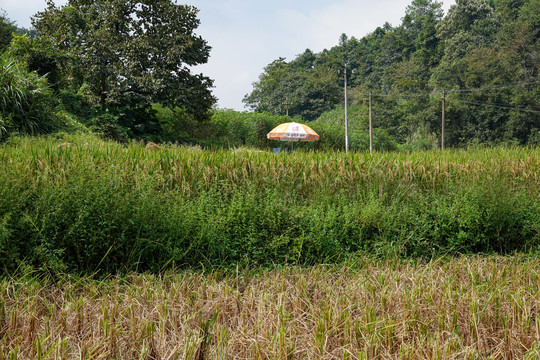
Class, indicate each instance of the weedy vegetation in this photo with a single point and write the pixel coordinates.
(82, 205)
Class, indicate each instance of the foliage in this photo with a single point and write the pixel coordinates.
(124, 69)
(331, 128)
(82, 204)
(297, 87)
(7, 28)
(26, 102)
(132, 53)
(238, 129)
(179, 125)
(107, 126)
(41, 56)
(226, 128)
(485, 52)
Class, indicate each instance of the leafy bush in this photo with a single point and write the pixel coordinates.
(26, 102)
(245, 129)
(106, 125)
(41, 56)
(179, 125)
(78, 103)
(331, 128)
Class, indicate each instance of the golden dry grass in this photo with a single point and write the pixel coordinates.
(463, 308)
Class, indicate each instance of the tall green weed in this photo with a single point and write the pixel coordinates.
(80, 204)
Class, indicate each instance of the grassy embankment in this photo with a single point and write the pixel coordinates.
(84, 205)
(462, 308)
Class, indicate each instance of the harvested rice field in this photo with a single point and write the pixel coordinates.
(456, 308)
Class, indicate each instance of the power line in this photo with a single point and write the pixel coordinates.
(402, 95)
(500, 106)
(485, 88)
(495, 87)
(444, 93)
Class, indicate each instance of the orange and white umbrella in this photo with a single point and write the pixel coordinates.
(293, 132)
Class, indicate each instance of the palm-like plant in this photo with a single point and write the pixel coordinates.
(25, 99)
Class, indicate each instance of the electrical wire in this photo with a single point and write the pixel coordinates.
(402, 95)
(500, 106)
(486, 88)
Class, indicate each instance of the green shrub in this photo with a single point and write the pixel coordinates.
(236, 129)
(178, 124)
(41, 56)
(26, 102)
(106, 125)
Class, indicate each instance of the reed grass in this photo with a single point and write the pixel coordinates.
(453, 308)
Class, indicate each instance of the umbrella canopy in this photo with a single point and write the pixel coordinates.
(293, 132)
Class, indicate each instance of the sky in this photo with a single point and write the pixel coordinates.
(247, 35)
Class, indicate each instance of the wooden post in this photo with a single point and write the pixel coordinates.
(370, 126)
(442, 124)
(346, 114)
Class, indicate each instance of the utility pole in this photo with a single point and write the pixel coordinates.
(287, 103)
(346, 114)
(370, 126)
(442, 124)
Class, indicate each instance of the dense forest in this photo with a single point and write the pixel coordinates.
(123, 69)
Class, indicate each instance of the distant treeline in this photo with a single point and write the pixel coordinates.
(126, 74)
(485, 52)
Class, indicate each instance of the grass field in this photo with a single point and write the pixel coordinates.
(84, 205)
(460, 308)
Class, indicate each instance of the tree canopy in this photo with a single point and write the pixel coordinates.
(103, 66)
(7, 28)
(132, 52)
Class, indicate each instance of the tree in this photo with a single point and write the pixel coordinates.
(469, 25)
(132, 53)
(300, 86)
(491, 46)
(7, 28)
(419, 24)
(272, 91)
